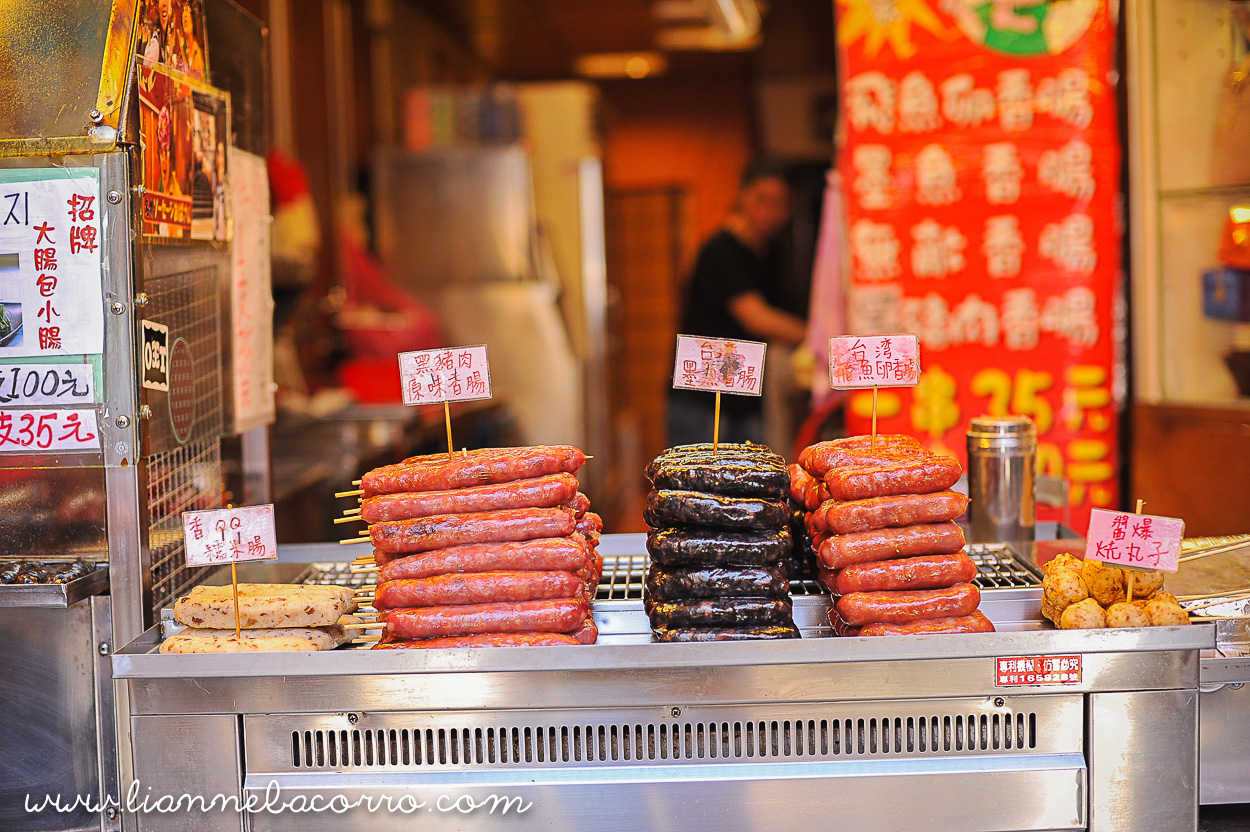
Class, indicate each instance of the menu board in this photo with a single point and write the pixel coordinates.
(980, 169)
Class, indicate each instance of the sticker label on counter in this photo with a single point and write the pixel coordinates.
(874, 361)
(48, 430)
(715, 365)
(155, 355)
(34, 384)
(230, 535)
(460, 374)
(1134, 541)
(1037, 670)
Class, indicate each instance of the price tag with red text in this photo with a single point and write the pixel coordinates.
(229, 535)
(27, 430)
(1134, 541)
(874, 361)
(717, 365)
(459, 374)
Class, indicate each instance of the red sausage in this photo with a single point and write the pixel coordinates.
(440, 472)
(566, 554)
(579, 503)
(882, 544)
(860, 608)
(887, 512)
(823, 457)
(480, 640)
(590, 523)
(588, 633)
(477, 588)
(926, 572)
(922, 475)
(540, 492)
(442, 530)
(563, 615)
(974, 623)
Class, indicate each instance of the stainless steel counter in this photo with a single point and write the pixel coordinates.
(913, 733)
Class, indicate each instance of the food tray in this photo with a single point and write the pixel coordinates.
(55, 595)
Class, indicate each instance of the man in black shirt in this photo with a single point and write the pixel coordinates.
(732, 294)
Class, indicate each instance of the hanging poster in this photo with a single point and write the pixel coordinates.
(981, 165)
(185, 127)
(50, 248)
(171, 33)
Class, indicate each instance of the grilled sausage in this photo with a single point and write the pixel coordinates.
(540, 492)
(480, 640)
(442, 530)
(563, 615)
(590, 523)
(552, 554)
(579, 503)
(675, 584)
(477, 588)
(588, 633)
(713, 634)
(465, 470)
(886, 512)
(823, 457)
(882, 544)
(974, 623)
(721, 613)
(715, 547)
(915, 476)
(861, 608)
(691, 508)
(925, 572)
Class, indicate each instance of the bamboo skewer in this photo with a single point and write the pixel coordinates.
(349, 519)
(353, 540)
(1228, 593)
(355, 493)
(1228, 599)
(365, 625)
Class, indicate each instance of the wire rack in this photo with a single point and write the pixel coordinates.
(186, 479)
(998, 568)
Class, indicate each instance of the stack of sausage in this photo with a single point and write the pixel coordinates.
(719, 544)
(495, 547)
(887, 548)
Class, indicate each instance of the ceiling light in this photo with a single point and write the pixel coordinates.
(605, 65)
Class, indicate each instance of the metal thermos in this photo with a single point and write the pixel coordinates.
(1002, 468)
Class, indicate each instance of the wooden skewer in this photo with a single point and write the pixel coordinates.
(366, 640)
(359, 569)
(1218, 601)
(349, 519)
(348, 511)
(1220, 597)
(365, 625)
(355, 482)
(353, 540)
(348, 493)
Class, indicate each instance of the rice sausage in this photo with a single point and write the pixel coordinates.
(442, 530)
(675, 584)
(551, 554)
(714, 547)
(925, 572)
(859, 608)
(973, 623)
(914, 476)
(886, 512)
(466, 470)
(703, 451)
(562, 615)
(684, 634)
(691, 508)
(477, 588)
(540, 492)
(480, 640)
(721, 613)
(730, 477)
(882, 544)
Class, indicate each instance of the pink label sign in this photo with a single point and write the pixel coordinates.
(713, 364)
(1134, 541)
(874, 361)
(460, 374)
(229, 535)
(23, 431)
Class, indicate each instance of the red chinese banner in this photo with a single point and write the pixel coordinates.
(981, 165)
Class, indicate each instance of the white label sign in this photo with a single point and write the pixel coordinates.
(874, 361)
(713, 364)
(28, 384)
(251, 305)
(50, 249)
(229, 535)
(24, 431)
(459, 374)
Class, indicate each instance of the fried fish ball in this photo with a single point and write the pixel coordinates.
(1050, 612)
(1127, 615)
(1162, 595)
(1105, 583)
(1166, 614)
(1067, 560)
(1064, 587)
(1083, 615)
(1145, 583)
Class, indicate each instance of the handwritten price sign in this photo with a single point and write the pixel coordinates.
(49, 430)
(449, 375)
(715, 365)
(1134, 541)
(874, 361)
(230, 535)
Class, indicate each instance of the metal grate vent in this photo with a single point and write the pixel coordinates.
(187, 479)
(787, 739)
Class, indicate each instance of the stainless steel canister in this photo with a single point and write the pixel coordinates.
(1002, 468)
